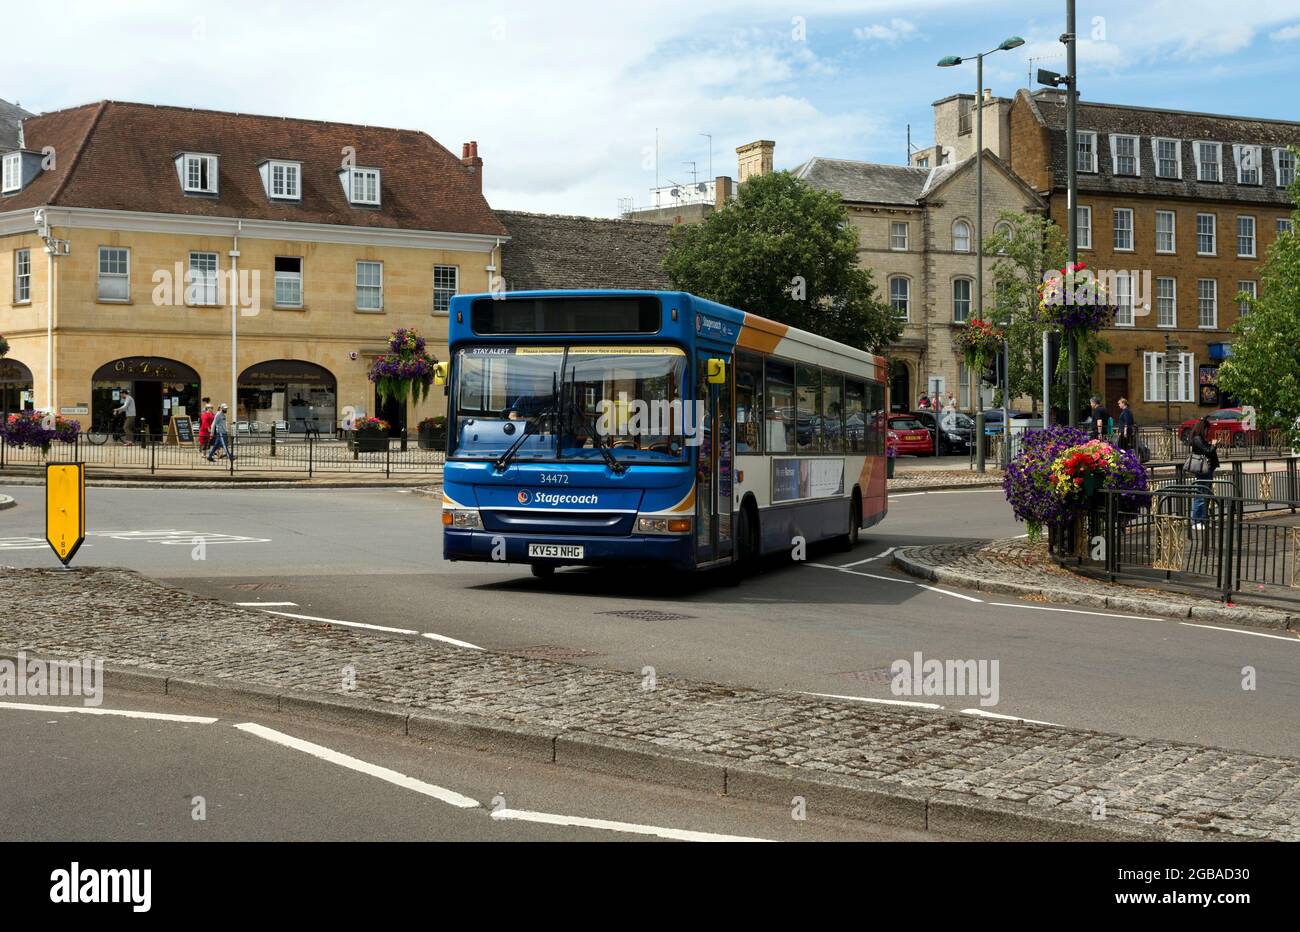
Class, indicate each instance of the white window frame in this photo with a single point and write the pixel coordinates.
(894, 227)
(1213, 234)
(1284, 225)
(970, 235)
(203, 282)
(1178, 157)
(1237, 155)
(1083, 216)
(369, 286)
(103, 277)
(206, 163)
(1200, 165)
(1278, 168)
(1251, 286)
(1136, 156)
(443, 291)
(906, 315)
(1213, 304)
(290, 187)
(1172, 232)
(1116, 229)
(1123, 299)
(1092, 150)
(289, 280)
(22, 279)
(11, 172)
(1171, 297)
(1246, 238)
(1153, 377)
(970, 298)
(362, 176)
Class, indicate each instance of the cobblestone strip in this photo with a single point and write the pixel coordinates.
(1017, 567)
(1181, 791)
(923, 480)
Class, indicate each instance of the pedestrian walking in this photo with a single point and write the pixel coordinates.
(220, 436)
(950, 404)
(1098, 419)
(127, 410)
(205, 427)
(1201, 463)
(1127, 426)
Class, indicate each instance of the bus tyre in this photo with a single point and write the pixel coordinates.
(746, 544)
(850, 540)
(543, 570)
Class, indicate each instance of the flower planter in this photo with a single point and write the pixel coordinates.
(432, 438)
(369, 442)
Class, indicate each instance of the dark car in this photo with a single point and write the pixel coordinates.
(951, 431)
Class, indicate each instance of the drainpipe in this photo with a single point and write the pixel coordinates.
(234, 336)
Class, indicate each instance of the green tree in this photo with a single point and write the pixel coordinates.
(1264, 368)
(786, 251)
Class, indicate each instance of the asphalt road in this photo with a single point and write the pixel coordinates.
(372, 557)
(106, 777)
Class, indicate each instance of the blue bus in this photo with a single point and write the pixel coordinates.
(652, 427)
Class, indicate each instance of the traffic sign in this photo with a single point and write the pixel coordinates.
(65, 508)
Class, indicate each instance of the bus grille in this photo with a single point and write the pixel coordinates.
(528, 521)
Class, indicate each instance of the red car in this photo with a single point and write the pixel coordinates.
(908, 435)
(1226, 425)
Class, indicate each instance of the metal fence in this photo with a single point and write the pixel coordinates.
(309, 455)
(1166, 444)
(1217, 539)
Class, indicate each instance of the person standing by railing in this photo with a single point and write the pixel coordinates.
(220, 436)
(1202, 463)
(1127, 426)
(1098, 419)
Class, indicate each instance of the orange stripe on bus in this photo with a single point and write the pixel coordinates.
(762, 338)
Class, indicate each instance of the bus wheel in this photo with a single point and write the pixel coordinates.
(543, 570)
(746, 543)
(850, 540)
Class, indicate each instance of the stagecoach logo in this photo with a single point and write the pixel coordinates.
(523, 497)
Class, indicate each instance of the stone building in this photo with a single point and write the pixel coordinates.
(323, 237)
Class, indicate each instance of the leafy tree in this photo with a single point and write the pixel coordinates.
(787, 251)
(1264, 368)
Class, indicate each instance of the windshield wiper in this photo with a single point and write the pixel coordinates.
(552, 411)
(615, 465)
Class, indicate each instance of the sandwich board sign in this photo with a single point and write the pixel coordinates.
(65, 508)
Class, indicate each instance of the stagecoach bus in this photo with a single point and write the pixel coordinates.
(652, 427)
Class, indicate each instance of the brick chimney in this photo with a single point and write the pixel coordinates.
(470, 159)
(721, 192)
(754, 158)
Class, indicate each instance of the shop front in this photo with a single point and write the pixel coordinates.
(162, 389)
(289, 393)
(15, 387)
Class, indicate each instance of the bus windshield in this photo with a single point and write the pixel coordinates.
(569, 402)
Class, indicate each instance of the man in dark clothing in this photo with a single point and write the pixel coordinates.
(1127, 426)
(1098, 418)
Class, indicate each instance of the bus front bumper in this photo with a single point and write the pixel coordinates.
(597, 551)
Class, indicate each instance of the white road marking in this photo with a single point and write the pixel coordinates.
(1075, 611)
(676, 834)
(25, 543)
(868, 559)
(446, 640)
(350, 624)
(450, 797)
(956, 595)
(918, 705)
(95, 710)
(909, 582)
(1258, 634)
(960, 491)
(177, 538)
(267, 604)
(904, 494)
(1010, 718)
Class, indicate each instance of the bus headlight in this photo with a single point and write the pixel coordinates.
(465, 519)
(663, 525)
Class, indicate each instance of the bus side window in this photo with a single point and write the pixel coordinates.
(833, 410)
(855, 424)
(749, 403)
(780, 413)
(810, 421)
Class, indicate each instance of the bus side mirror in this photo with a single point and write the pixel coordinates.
(717, 371)
(440, 373)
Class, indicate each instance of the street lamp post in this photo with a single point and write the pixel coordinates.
(948, 62)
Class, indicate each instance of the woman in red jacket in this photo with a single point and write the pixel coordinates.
(205, 428)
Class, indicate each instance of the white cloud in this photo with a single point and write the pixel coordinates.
(897, 30)
(1287, 33)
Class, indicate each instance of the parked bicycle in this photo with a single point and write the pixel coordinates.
(104, 428)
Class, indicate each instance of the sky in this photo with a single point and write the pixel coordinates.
(566, 99)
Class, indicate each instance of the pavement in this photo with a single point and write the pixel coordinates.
(957, 774)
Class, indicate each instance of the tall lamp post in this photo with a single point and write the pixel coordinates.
(949, 62)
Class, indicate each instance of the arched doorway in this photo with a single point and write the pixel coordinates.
(15, 387)
(900, 386)
(292, 393)
(162, 389)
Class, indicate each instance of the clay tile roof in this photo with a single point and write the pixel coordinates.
(121, 156)
(556, 251)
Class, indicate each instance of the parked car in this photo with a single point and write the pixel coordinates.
(993, 419)
(907, 435)
(1225, 424)
(950, 431)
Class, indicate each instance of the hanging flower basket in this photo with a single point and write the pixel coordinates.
(406, 369)
(33, 429)
(979, 341)
(1073, 298)
(4, 346)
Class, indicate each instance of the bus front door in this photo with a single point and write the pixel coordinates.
(713, 465)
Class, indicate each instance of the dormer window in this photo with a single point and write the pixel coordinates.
(198, 173)
(282, 180)
(1249, 169)
(363, 186)
(1124, 155)
(12, 171)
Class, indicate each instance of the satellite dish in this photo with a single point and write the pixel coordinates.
(676, 192)
(701, 187)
